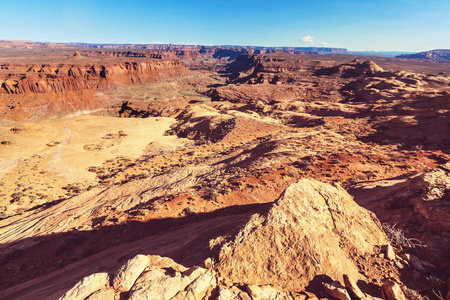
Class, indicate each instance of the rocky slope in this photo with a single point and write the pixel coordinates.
(275, 255)
(155, 277)
(283, 245)
(424, 204)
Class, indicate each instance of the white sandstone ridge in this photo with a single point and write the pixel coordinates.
(312, 229)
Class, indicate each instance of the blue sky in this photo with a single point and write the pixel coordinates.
(358, 25)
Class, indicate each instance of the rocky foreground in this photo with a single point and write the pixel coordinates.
(313, 234)
(271, 176)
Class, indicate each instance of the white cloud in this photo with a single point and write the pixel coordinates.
(324, 43)
(308, 39)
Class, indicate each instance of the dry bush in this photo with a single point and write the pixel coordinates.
(398, 239)
(438, 285)
(413, 294)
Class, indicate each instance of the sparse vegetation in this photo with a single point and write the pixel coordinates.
(413, 294)
(398, 239)
(438, 285)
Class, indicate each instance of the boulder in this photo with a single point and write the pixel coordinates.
(165, 262)
(87, 286)
(129, 272)
(312, 229)
(392, 291)
(266, 292)
(390, 254)
(107, 294)
(157, 284)
(198, 289)
(336, 290)
(226, 294)
(353, 289)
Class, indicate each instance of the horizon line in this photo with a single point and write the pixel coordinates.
(216, 45)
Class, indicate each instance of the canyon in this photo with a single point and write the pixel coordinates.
(202, 172)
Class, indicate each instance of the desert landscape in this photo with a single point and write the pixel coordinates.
(223, 172)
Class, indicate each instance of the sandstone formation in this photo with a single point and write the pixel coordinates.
(203, 125)
(424, 202)
(353, 69)
(274, 254)
(312, 229)
(28, 91)
(87, 286)
(127, 275)
(227, 180)
(62, 78)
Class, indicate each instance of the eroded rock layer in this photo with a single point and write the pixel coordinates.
(39, 90)
(64, 78)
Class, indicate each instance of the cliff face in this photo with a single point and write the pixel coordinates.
(62, 78)
(440, 54)
(33, 91)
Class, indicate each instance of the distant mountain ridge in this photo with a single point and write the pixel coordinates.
(438, 54)
(258, 49)
(180, 48)
(380, 53)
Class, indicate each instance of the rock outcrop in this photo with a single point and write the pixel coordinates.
(313, 229)
(88, 286)
(352, 69)
(146, 277)
(127, 275)
(429, 198)
(33, 91)
(59, 78)
(424, 202)
(203, 124)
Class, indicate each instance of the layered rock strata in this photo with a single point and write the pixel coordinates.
(36, 91)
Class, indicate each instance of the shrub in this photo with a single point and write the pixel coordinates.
(398, 239)
(413, 294)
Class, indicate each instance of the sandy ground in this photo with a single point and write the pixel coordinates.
(38, 160)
